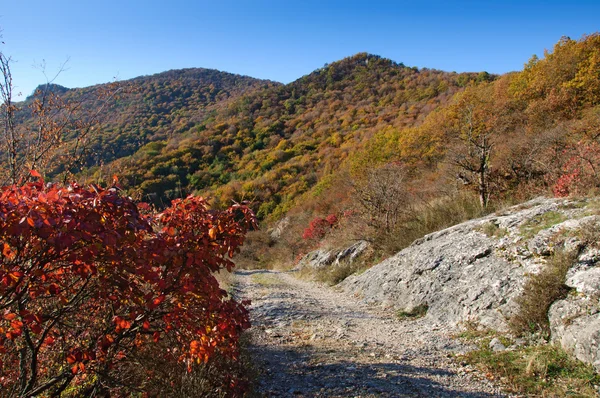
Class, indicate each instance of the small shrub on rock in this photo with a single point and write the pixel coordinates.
(539, 292)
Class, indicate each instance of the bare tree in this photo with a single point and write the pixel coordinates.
(474, 127)
(473, 160)
(10, 140)
(51, 132)
(383, 196)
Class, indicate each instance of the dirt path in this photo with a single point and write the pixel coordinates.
(310, 341)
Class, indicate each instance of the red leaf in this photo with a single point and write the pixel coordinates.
(157, 301)
(122, 324)
(15, 275)
(10, 317)
(7, 251)
(34, 173)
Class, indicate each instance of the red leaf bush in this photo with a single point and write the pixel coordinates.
(318, 227)
(579, 172)
(88, 279)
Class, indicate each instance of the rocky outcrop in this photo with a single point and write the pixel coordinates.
(321, 258)
(454, 272)
(475, 271)
(316, 259)
(575, 321)
(279, 228)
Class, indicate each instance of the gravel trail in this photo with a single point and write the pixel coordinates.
(310, 341)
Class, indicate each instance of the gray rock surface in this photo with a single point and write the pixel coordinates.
(496, 345)
(351, 253)
(575, 321)
(575, 325)
(321, 258)
(475, 271)
(316, 259)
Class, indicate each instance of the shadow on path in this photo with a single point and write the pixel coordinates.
(299, 373)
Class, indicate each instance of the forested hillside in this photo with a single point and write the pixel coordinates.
(495, 141)
(364, 140)
(164, 105)
(126, 115)
(270, 146)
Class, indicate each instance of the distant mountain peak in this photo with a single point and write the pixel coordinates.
(49, 88)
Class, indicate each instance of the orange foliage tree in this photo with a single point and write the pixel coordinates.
(473, 119)
(88, 279)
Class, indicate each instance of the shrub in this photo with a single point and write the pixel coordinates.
(539, 292)
(579, 173)
(418, 312)
(540, 371)
(318, 227)
(88, 282)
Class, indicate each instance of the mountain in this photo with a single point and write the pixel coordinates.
(426, 162)
(129, 114)
(274, 144)
(50, 87)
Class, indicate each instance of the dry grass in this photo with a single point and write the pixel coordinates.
(541, 222)
(539, 292)
(536, 371)
(492, 230)
(418, 312)
(335, 274)
(430, 217)
(155, 374)
(422, 220)
(265, 279)
(226, 280)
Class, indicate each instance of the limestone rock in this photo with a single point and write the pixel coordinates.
(316, 259)
(496, 345)
(321, 258)
(351, 253)
(454, 272)
(575, 325)
(575, 321)
(462, 274)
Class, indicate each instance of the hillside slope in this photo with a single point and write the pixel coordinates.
(521, 135)
(272, 145)
(132, 113)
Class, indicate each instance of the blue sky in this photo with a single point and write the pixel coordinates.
(277, 40)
